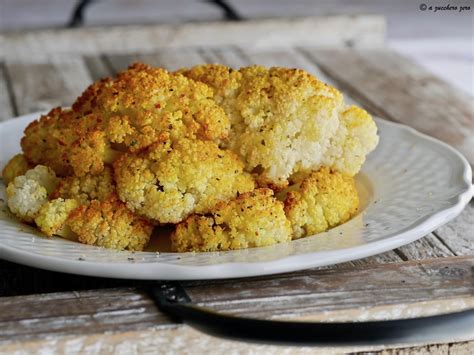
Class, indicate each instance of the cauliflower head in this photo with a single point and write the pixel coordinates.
(109, 224)
(144, 105)
(253, 219)
(169, 181)
(322, 200)
(16, 166)
(355, 138)
(141, 106)
(87, 187)
(27, 193)
(52, 216)
(68, 142)
(282, 119)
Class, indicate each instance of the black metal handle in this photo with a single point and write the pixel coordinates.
(173, 300)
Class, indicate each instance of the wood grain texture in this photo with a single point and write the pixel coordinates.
(396, 88)
(360, 30)
(458, 235)
(97, 67)
(398, 290)
(170, 59)
(186, 340)
(305, 294)
(7, 105)
(427, 247)
(43, 83)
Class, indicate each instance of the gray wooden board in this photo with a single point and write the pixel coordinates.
(458, 235)
(400, 290)
(360, 30)
(97, 67)
(44, 83)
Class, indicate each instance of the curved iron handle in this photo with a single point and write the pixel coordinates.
(173, 300)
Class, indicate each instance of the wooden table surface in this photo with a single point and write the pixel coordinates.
(56, 313)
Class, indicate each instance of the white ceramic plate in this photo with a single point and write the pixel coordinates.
(410, 185)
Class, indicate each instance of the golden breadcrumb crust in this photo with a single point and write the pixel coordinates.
(141, 106)
(16, 166)
(144, 105)
(168, 182)
(52, 216)
(86, 188)
(253, 219)
(322, 200)
(67, 142)
(110, 224)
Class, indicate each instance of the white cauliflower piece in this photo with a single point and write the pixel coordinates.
(281, 119)
(52, 216)
(355, 138)
(27, 193)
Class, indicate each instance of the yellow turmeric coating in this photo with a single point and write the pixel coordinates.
(168, 182)
(320, 201)
(252, 219)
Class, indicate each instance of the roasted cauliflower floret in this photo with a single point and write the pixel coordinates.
(144, 105)
(86, 188)
(27, 193)
(253, 219)
(52, 216)
(68, 142)
(355, 138)
(110, 224)
(322, 200)
(282, 119)
(18, 165)
(170, 181)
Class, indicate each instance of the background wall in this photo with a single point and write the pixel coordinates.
(440, 40)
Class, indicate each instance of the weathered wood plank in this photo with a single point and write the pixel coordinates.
(360, 30)
(458, 235)
(181, 340)
(427, 247)
(397, 290)
(353, 288)
(231, 56)
(464, 348)
(97, 67)
(41, 84)
(174, 59)
(387, 257)
(398, 89)
(170, 59)
(7, 106)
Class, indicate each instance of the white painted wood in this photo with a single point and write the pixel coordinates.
(458, 235)
(105, 319)
(43, 83)
(124, 12)
(365, 31)
(7, 109)
(170, 59)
